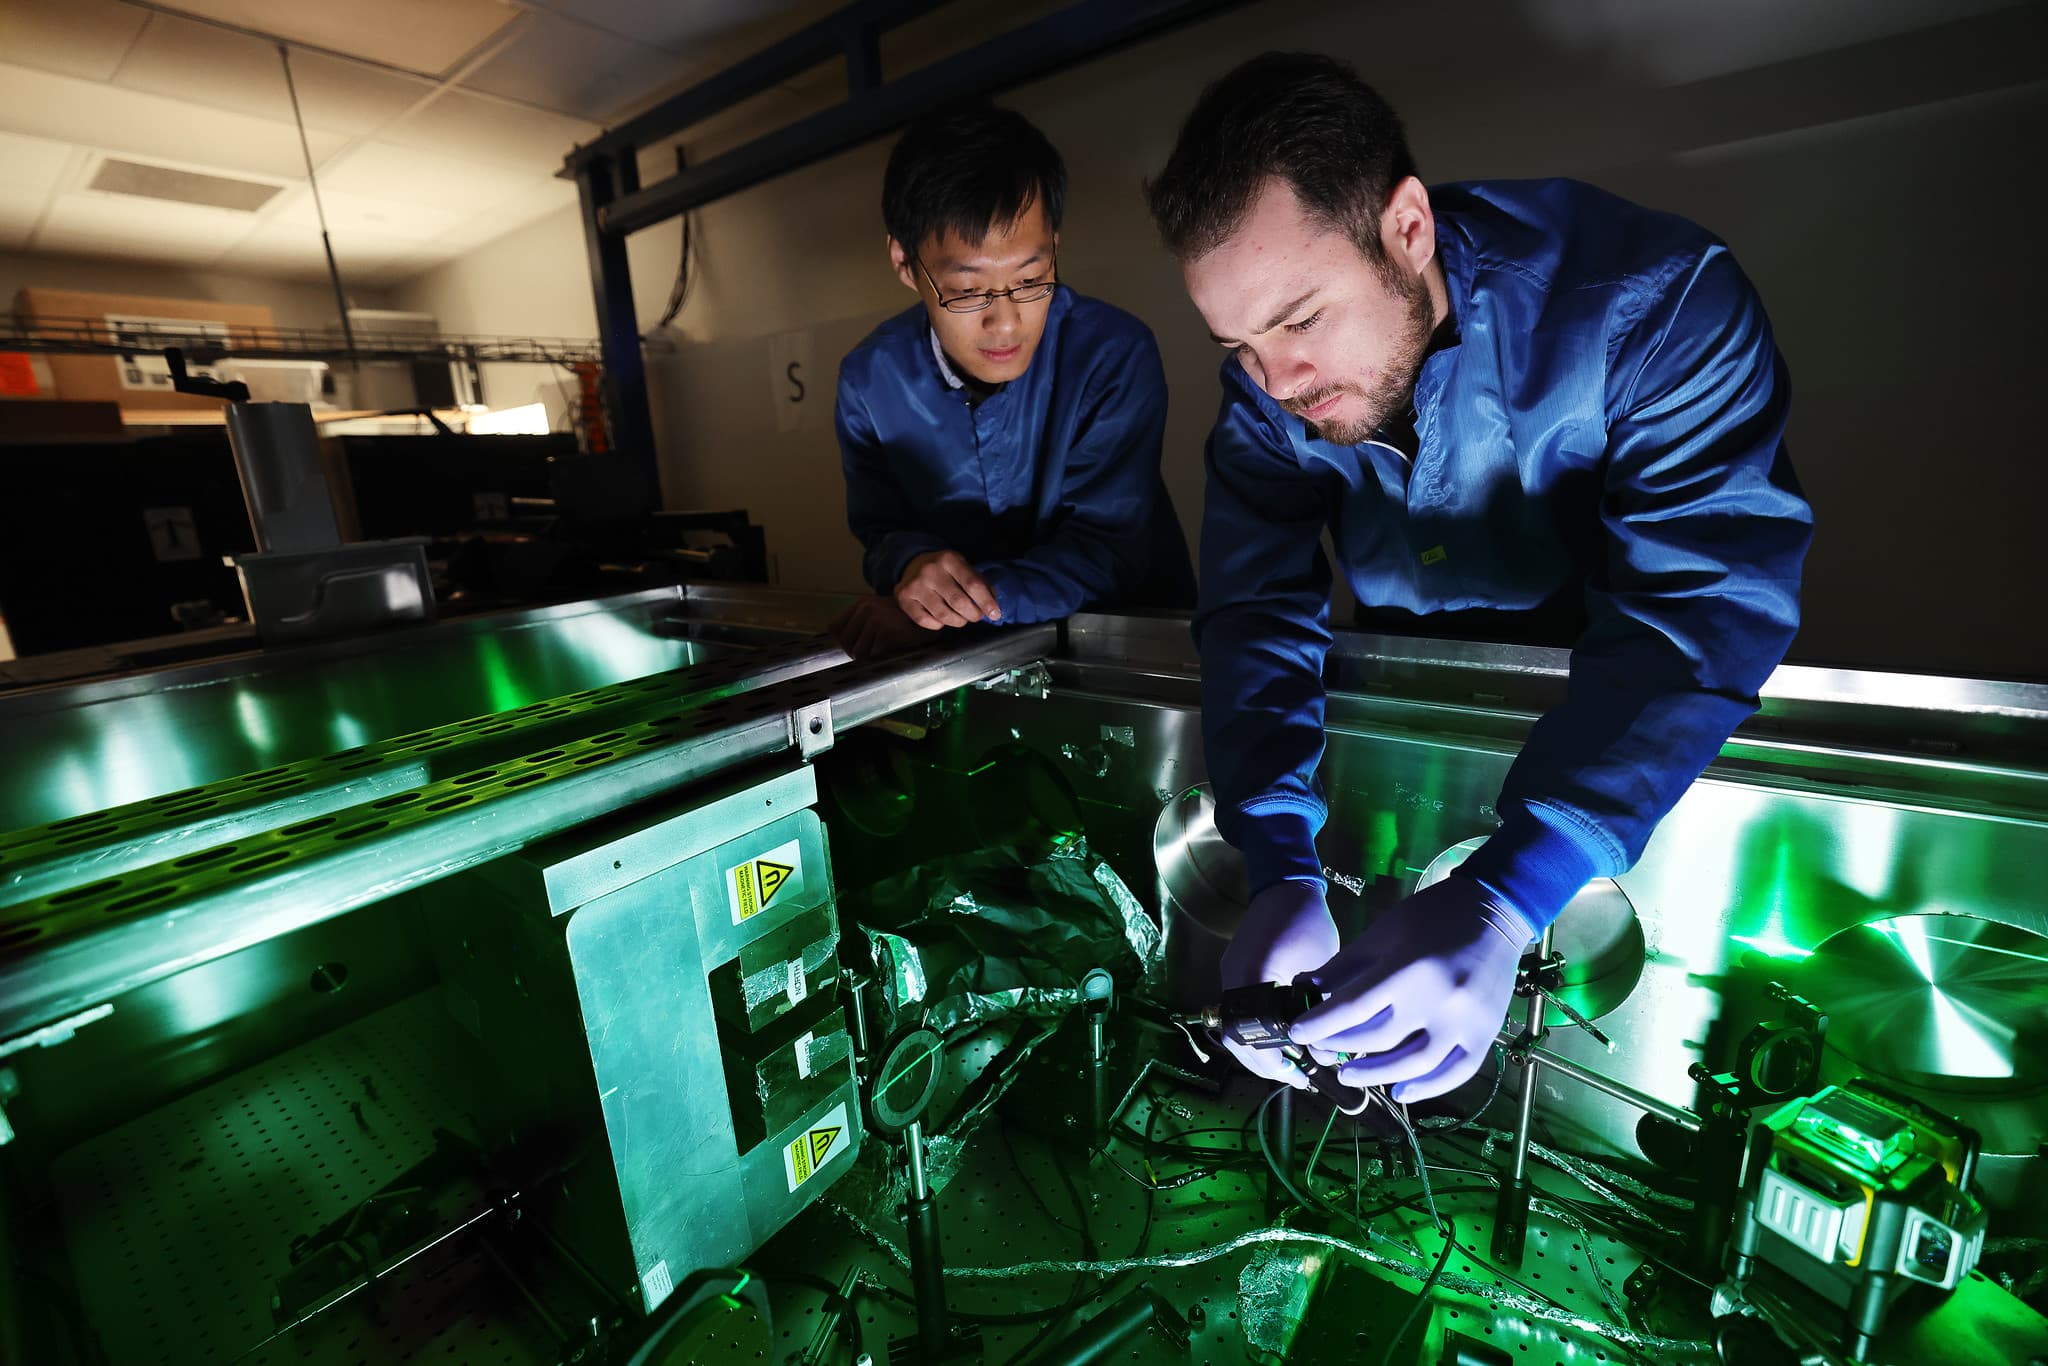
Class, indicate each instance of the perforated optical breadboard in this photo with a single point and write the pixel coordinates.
(180, 1223)
(992, 1215)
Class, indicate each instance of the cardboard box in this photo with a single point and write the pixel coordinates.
(140, 383)
(55, 419)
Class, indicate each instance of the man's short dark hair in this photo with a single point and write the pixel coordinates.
(1299, 117)
(969, 168)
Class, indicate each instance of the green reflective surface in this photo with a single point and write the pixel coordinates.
(85, 748)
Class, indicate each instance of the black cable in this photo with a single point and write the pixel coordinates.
(1031, 1188)
(1041, 1315)
(1422, 1296)
(1444, 1226)
(1444, 1124)
(1144, 1237)
(1089, 1252)
(680, 290)
(849, 1315)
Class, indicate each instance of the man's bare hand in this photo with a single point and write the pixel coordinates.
(874, 625)
(941, 589)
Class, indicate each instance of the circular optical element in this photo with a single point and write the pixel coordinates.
(1201, 874)
(1599, 934)
(908, 1077)
(1942, 1000)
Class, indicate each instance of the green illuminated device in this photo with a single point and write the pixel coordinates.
(1859, 1195)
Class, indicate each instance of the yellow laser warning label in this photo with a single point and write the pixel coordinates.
(803, 1155)
(754, 885)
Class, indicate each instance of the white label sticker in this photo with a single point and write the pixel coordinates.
(798, 988)
(817, 1145)
(757, 884)
(803, 1055)
(656, 1286)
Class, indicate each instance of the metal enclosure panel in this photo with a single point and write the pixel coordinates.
(646, 1016)
(724, 917)
(589, 981)
(572, 879)
(1776, 848)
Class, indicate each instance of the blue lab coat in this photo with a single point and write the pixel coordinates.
(1609, 422)
(1049, 486)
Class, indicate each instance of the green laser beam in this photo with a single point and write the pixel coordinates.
(904, 1070)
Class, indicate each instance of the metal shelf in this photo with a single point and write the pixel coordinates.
(95, 337)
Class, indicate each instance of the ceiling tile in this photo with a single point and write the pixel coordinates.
(350, 97)
(359, 271)
(686, 29)
(275, 246)
(34, 167)
(189, 60)
(427, 38)
(437, 180)
(515, 135)
(65, 109)
(75, 37)
(108, 225)
(542, 197)
(560, 64)
(271, 250)
(484, 228)
(352, 214)
(209, 65)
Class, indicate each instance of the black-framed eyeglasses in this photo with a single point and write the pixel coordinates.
(979, 299)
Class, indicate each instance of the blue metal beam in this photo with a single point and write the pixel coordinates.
(852, 32)
(1082, 30)
(598, 182)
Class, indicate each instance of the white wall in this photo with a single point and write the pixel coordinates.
(1872, 166)
(293, 303)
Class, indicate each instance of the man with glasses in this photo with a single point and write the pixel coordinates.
(1000, 439)
(1520, 398)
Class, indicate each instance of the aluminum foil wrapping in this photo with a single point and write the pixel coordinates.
(1139, 932)
(1541, 1311)
(790, 978)
(1273, 1295)
(902, 968)
(1616, 1305)
(1673, 1350)
(1006, 933)
(1618, 1188)
(785, 1071)
(870, 1195)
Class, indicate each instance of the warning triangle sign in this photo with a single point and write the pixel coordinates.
(771, 876)
(821, 1143)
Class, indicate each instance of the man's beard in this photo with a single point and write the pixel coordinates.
(1396, 387)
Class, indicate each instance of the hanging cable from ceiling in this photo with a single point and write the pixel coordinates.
(348, 335)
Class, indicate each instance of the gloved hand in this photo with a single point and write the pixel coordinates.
(1286, 931)
(1418, 997)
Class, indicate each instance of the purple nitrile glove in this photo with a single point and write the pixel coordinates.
(1286, 931)
(1420, 995)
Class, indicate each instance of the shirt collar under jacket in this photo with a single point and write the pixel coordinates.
(946, 373)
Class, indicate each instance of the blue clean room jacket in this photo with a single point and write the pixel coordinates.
(1049, 486)
(1609, 420)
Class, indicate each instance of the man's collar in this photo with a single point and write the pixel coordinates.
(946, 371)
(1454, 254)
